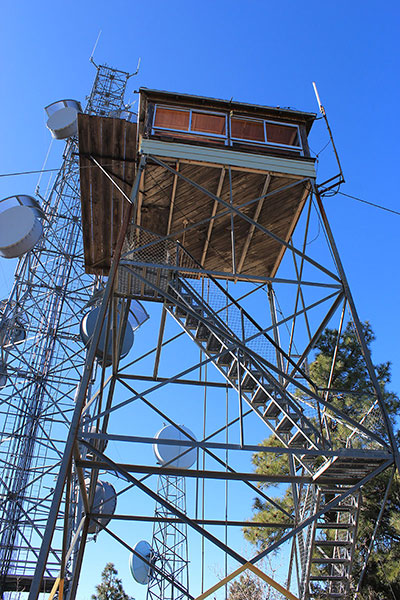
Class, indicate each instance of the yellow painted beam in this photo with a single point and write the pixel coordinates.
(223, 582)
(272, 583)
(54, 588)
(249, 566)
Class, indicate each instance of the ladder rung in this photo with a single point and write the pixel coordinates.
(332, 543)
(331, 561)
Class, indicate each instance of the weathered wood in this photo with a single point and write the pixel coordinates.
(112, 143)
(169, 205)
(210, 241)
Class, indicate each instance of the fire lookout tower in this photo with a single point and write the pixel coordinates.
(204, 211)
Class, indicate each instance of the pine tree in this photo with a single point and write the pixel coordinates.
(382, 578)
(110, 587)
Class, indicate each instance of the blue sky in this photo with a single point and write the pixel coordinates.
(259, 51)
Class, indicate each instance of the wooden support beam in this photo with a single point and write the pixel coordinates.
(255, 219)
(173, 195)
(213, 213)
(307, 189)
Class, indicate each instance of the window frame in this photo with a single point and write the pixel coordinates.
(220, 136)
(229, 140)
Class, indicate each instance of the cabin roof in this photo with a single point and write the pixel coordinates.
(229, 105)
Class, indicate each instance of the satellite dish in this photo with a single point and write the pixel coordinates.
(63, 118)
(141, 571)
(18, 333)
(12, 332)
(20, 225)
(87, 328)
(105, 501)
(96, 442)
(138, 314)
(166, 453)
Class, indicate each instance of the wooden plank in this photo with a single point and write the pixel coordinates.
(291, 229)
(172, 203)
(107, 191)
(252, 227)
(112, 142)
(94, 143)
(85, 165)
(213, 213)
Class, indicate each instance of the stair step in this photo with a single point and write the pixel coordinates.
(285, 424)
(250, 381)
(342, 509)
(191, 321)
(298, 440)
(261, 397)
(202, 333)
(341, 526)
(225, 360)
(180, 312)
(234, 369)
(214, 345)
(272, 410)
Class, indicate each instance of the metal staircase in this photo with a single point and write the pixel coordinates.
(246, 371)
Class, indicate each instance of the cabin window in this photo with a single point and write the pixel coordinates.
(207, 126)
(168, 118)
(286, 135)
(208, 123)
(247, 129)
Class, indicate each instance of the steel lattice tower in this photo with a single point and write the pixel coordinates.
(169, 542)
(42, 370)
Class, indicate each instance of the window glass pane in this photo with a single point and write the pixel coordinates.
(247, 130)
(208, 123)
(282, 134)
(172, 119)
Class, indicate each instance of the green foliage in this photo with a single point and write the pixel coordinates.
(246, 588)
(110, 587)
(382, 578)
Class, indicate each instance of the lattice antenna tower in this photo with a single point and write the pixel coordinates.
(42, 358)
(169, 542)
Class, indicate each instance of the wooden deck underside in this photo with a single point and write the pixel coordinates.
(112, 143)
(168, 204)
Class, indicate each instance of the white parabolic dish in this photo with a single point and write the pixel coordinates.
(63, 122)
(20, 230)
(166, 453)
(88, 325)
(141, 571)
(105, 501)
